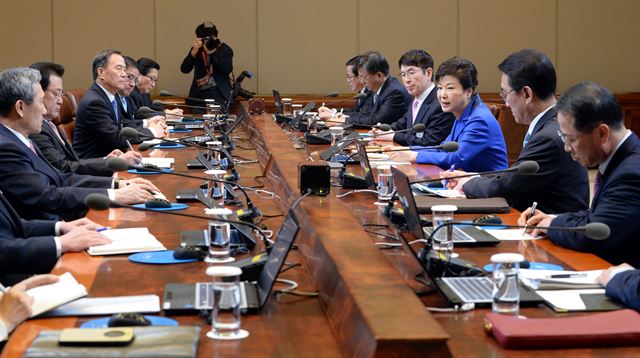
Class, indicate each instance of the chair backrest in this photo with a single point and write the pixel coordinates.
(69, 111)
(513, 132)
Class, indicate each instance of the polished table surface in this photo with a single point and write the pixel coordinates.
(367, 304)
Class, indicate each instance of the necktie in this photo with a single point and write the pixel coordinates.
(526, 140)
(596, 184)
(375, 98)
(414, 110)
(33, 149)
(115, 109)
(124, 103)
(55, 130)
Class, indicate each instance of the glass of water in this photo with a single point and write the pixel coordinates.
(213, 154)
(336, 134)
(506, 294)
(225, 316)
(215, 188)
(443, 237)
(219, 237)
(385, 183)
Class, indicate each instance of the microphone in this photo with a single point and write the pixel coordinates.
(527, 167)
(146, 112)
(245, 73)
(158, 102)
(101, 202)
(165, 93)
(120, 165)
(418, 128)
(445, 147)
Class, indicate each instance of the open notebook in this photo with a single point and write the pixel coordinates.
(127, 241)
(50, 296)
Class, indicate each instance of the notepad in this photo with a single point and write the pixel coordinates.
(441, 192)
(160, 162)
(510, 234)
(50, 296)
(549, 280)
(94, 306)
(578, 300)
(124, 241)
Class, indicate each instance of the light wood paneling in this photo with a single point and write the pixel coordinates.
(25, 32)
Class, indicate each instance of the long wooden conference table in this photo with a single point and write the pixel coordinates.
(367, 303)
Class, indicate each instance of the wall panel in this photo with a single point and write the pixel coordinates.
(25, 32)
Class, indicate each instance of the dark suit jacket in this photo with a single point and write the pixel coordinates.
(128, 119)
(625, 287)
(26, 247)
(36, 189)
(140, 99)
(63, 157)
(616, 204)
(97, 132)
(362, 105)
(222, 62)
(430, 114)
(391, 104)
(560, 185)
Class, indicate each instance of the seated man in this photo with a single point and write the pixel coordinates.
(622, 284)
(416, 69)
(34, 187)
(528, 87)
(363, 105)
(390, 99)
(15, 303)
(149, 71)
(592, 129)
(155, 126)
(99, 122)
(481, 144)
(31, 247)
(54, 143)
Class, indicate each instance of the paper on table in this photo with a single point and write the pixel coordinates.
(544, 279)
(377, 156)
(153, 141)
(53, 295)
(510, 234)
(567, 300)
(109, 305)
(379, 163)
(161, 162)
(127, 241)
(445, 193)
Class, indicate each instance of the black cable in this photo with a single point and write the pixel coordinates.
(387, 236)
(288, 267)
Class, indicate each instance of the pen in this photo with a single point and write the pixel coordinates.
(2, 288)
(446, 181)
(103, 229)
(533, 210)
(130, 146)
(568, 275)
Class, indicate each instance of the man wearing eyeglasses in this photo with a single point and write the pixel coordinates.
(54, 143)
(147, 81)
(592, 129)
(416, 71)
(528, 86)
(390, 98)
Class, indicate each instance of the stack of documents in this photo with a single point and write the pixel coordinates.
(553, 280)
(441, 192)
(160, 162)
(125, 241)
(56, 294)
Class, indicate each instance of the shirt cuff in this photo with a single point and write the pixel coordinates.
(153, 131)
(112, 194)
(56, 228)
(144, 123)
(4, 332)
(617, 270)
(56, 239)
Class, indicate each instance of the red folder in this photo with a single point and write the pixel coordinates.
(609, 329)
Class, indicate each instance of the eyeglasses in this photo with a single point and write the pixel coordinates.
(504, 95)
(566, 139)
(350, 77)
(152, 79)
(411, 73)
(133, 79)
(58, 94)
(364, 77)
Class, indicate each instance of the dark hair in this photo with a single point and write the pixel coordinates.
(46, 70)
(353, 62)
(462, 69)
(130, 62)
(530, 68)
(206, 29)
(146, 64)
(416, 57)
(101, 60)
(590, 105)
(374, 62)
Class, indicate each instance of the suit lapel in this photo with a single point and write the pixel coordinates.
(625, 149)
(66, 148)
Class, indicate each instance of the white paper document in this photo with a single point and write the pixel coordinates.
(109, 305)
(551, 279)
(567, 300)
(153, 141)
(441, 192)
(161, 162)
(53, 295)
(510, 234)
(127, 241)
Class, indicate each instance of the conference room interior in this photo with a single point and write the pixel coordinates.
(369, 297)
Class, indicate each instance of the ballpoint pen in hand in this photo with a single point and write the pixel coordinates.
(451, 169)
(533, 210)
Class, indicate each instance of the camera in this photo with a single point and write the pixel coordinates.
(210, 42)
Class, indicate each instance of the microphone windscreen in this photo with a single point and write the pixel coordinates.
(165, 93)
(450, 147)
(332, 94)
(144, 146)
(597, 231)
(159, 103)
(129, 133)
(383, 127)
(97, 201)
(528, 167)
(308, 106)
(360, 96)
(117, 164)
(419, 128)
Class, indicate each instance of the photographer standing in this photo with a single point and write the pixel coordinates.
(213, 61)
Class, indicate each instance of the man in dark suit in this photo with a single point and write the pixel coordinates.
(99, 122)
(416, 69)
(363, 105)
(31, 247)
(390, 98)
(622, 283)
(149, 70)
(36, 189)
(528, 87)
(593, 131)
(54, 143)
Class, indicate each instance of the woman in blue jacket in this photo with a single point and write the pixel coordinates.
(480, 140)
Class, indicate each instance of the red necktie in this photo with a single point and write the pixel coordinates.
(33, 149)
